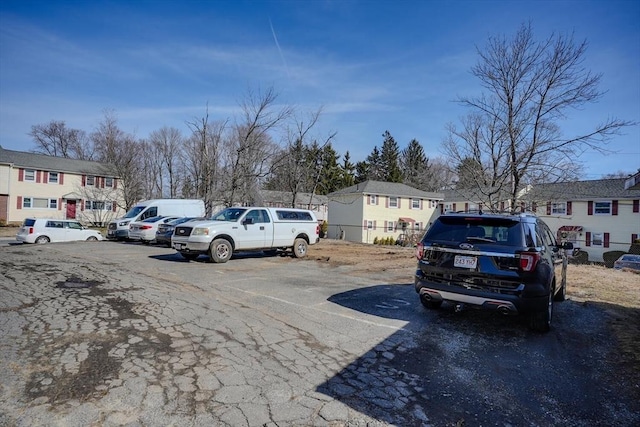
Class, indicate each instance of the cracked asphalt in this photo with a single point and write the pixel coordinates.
(113, 334)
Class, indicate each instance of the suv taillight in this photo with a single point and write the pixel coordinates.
(30, 230)
(528, 260)
(419, 251)
(318, 229)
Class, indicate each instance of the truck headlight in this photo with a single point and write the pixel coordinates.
(200, 232)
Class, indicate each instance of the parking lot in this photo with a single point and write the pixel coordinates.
(125, 334)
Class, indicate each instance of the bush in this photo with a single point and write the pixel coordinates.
(610, 257)
(376, 241)
(324, 228)
(580, 257)
(635, 247)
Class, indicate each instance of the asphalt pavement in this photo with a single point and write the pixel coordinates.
(116, 334)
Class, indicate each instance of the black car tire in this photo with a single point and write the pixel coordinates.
(220, 251)
(92, 239)
(541, 321)
(42, 239)
(299, 247)
(190, 257)
(430, 304)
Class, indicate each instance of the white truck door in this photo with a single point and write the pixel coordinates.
(255, 230)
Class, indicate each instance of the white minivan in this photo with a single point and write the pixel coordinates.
(118, 229)
(45, 230)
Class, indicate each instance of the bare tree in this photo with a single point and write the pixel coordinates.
(121, 152)
(514, 131)
(56, 139)
(201, 160)
(166, 143)
(250, 151)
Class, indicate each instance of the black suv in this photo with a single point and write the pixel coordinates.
(506, 262)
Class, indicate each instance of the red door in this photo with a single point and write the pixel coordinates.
(71, 209)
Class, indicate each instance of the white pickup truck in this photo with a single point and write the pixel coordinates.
(247, 229)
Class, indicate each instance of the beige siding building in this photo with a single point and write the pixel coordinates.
(374, 210)
(598, 216)
(41, 186)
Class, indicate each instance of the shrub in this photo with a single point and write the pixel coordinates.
(610, 257)
(580, 257)
(376, 241)
(635, 247)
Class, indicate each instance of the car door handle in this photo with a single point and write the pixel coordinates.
(262, 227)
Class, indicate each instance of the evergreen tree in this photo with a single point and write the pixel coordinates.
(375, 170)
(347, 172)
(416, 169)
(389, 159)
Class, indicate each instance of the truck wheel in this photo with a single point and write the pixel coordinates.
(299, 247)
(42, 239)
(220, 251)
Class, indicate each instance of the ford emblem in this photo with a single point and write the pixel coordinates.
(466, 246)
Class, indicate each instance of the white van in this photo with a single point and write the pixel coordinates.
(118, 229)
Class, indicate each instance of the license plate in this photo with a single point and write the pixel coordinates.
(465, 261)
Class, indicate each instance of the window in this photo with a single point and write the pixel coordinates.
(53, 177)
(369, 225)
(30, 175)
(596, 239)
(291, 215)
(602, 208)
(416, 226)
(390, 225)
(559, 208)
(108, 182)
(32, 202)
(373, 199)
(415, 203)
(96, 205)
(91, 180)
(393, 202)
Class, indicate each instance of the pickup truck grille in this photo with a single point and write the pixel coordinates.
(183, 231)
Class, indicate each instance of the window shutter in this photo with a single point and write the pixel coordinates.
(399, 202)
(587, 238)
(84, 180)
(589, 207)
(385, 226)
(20, 174)
(614, 207)
(548, 208)
(61, 178)
(38, 177)
(387, 201)
(441, 208)
(569, 211)
(466, 207)
(454, 207)
(81, 205)
(114, 206)
(60, 204)
(606, 240)
(45, 177)
(634, 237)
(374, 225)
(636, 206)
(364, 224)
(368, 199)
(422, 204)
(19, 204)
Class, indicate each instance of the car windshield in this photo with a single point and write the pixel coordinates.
(134, 211)
(502, 231)
(229, 214)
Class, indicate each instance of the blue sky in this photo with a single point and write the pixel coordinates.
(371, 65)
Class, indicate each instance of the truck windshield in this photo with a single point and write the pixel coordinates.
(229, 214)
(134, 211)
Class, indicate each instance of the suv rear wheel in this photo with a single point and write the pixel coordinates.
(541, 320)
